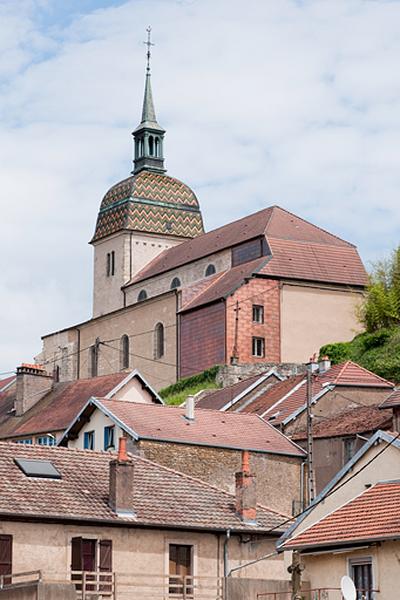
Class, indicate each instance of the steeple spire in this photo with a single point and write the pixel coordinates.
(149, 135)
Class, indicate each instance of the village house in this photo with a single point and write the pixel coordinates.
(171, 300)
(353, 526)
(36, 409)
(203, 443)
(117, 526)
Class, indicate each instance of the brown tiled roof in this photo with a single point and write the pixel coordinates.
(284, 398)
(223, 237)
(4, 383)
(315, 262)
(216, 399)
(372, 516)
(224, 284)
(57, 409)
(161, 497)
(210, 427)
(350, 422)
(392, 400)
(300, 250)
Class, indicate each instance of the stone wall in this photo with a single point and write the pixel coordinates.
(230, 374)
(277, 476)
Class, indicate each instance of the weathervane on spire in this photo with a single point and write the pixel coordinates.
(148, 43)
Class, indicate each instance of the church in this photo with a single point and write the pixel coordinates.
(171, 300)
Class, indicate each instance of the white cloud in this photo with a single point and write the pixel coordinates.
(293, 103)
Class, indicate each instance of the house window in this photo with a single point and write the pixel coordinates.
(110, 263)
(46, 440)
(92, 556)
(159, 341)
(258, 313)
(125, 352)
(258, 348)
(109, 437)
(361, 574)
(349, 449)
(142, 295)
(210, 270)
(180, 569)
(24, 441)
(175, 283)
(88, 440)
(6, 557)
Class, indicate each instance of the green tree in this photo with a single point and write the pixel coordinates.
(381, 308)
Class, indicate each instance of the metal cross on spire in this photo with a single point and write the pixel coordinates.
(148, 43)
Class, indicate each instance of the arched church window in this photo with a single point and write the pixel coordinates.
(175, 283)
(142, 295)
(210, 270)
(124, 352)
(151, 145)
(159, 341)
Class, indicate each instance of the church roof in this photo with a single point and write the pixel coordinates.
(150, 202)
(298, 249)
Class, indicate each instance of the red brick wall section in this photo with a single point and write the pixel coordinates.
(202, 339)
(257, 291)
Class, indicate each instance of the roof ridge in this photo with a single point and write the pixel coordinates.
(312, 225)
(370, 372)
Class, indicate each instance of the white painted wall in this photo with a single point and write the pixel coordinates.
(97, 422)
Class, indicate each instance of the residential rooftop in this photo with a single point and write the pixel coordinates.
(161, 497)
(372, 516)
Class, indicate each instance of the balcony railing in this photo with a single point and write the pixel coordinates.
(19, 579)
(318, 594)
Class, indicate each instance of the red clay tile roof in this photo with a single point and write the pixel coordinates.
(210, 427)
(216, 399)
(224, 284)
(161, 497)
(315, 262)
(374, 515)
(300, 250)
(350, 422)
(57, 409)
(286, 397)
(392, 400)
(6, 382)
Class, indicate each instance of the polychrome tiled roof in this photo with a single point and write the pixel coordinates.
(372, 516)
(152, 203)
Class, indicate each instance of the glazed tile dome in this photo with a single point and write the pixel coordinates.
(150, 202)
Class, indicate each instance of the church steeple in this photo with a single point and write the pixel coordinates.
(149, 135)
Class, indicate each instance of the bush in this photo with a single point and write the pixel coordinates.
(206, 377)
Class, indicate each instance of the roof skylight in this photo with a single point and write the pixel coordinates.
(37, 468)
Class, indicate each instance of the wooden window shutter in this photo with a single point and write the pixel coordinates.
(105, 555)
(6, 556)
(76, 554)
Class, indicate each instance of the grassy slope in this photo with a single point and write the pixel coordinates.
(178, 392)
(379, 352)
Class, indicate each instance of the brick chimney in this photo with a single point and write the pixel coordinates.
(32, 384)
(121, 481)
(324, 364)
(246, 493)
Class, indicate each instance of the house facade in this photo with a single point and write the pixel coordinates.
(352, 527)
(120, 525)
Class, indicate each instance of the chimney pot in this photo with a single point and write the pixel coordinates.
(324, 364)
(33, 383)
(121, 482)
(189, 405)
(246, 494)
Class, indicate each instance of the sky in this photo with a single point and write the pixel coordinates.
(288, 102)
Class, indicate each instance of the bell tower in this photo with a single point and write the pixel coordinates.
(149, 135)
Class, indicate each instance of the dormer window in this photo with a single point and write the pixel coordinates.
(210, 270)
(175, 283)
(110, 263)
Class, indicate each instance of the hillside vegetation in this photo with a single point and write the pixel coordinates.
(189, 386)
(378, 349)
